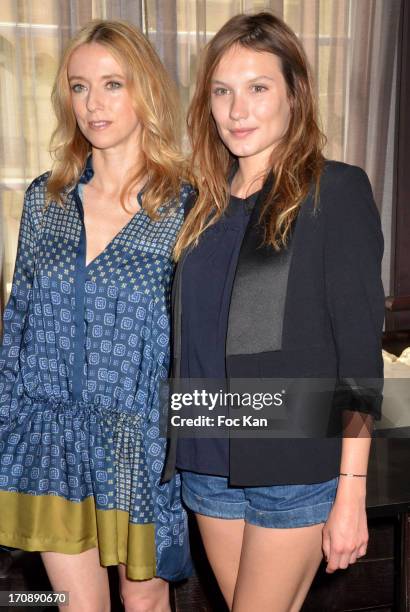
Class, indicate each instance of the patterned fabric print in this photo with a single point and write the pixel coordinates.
(83, 353)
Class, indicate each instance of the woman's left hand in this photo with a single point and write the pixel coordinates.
(345, 533)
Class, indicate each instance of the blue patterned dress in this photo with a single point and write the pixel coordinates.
(83, 353)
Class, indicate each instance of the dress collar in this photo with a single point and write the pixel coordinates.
(88, 173)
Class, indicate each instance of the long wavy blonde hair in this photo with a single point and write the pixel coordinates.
(297, 160)
(155, 99)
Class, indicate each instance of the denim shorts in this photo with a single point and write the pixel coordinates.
(277, 506)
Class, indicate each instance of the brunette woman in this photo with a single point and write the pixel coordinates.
(278, 277)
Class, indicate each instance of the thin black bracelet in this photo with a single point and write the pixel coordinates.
(355, 475)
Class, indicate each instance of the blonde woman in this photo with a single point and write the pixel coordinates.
(86, 338)
(278, 277)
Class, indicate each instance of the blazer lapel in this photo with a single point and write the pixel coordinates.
(176, 302)
(259, 291)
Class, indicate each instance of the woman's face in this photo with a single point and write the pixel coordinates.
(249, 102)
(101, 100)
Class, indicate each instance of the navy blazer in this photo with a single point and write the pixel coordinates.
(312, 310)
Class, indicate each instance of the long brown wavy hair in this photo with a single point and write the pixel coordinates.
(297, 160)
(155, 102)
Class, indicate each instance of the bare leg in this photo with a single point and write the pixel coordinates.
(144, 595)
(84, 578)
(277, 568)
(222, 539)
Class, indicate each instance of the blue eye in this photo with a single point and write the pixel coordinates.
(77, 88)
(113, 85)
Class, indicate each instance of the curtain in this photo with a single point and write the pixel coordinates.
(351, 45)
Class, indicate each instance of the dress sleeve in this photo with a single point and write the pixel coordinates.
(355, 295)
(16, 310)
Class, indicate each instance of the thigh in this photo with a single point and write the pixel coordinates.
(277, 567)
(143, 595)
(82, 576)
(222, 540)
(220, 511)
(282, 544)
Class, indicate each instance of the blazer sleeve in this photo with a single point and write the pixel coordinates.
(354, 290)
(190, 202)
(16, 310)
